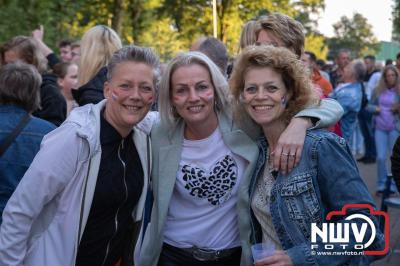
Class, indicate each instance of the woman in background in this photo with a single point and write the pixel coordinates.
(67, 79)
(53, 107)
(385, 107)
(97, 46)
(19, 97)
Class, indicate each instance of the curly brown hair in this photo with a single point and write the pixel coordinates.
(294, 75)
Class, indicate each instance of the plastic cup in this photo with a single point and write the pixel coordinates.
(262, 250)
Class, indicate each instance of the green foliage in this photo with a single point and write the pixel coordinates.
(167, 25)
(316, 43)
(396, 21)
(354, 34)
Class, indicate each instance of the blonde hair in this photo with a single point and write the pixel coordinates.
(294, 75)
(383, 82)
(167, 113)
(288, 30)
(248, 34)
(97, 46)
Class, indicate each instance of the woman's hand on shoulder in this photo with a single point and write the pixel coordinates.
(280, 258)
(287, 152)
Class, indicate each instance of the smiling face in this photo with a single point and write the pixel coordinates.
(193, 96)
(65, 53)
(130, 94)
(391, 78)
(264, 96)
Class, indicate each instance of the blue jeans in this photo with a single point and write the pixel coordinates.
(384, 141)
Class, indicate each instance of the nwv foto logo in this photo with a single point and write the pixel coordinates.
(338, 235)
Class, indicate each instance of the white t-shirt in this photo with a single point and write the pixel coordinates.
(202, 211)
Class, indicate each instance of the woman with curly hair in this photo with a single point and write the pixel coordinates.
(270, 86)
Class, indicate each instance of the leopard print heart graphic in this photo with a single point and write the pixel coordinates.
(215, 185)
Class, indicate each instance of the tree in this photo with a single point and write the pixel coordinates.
(316, 43)
(396, 21)
(354, 34)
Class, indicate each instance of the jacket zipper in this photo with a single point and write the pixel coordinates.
(125, 200)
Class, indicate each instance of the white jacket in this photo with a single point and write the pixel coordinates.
(44, 219)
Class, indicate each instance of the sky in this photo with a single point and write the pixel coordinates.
(377, 12)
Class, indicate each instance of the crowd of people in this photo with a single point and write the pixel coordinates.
(109, 157)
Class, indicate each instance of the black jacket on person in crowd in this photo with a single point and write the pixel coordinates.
(91, 92)
(395, 159)
(53, 105)
(52, 60)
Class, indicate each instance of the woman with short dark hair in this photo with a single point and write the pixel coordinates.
(90, 177)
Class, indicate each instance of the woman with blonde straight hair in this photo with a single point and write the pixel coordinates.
(97, 46)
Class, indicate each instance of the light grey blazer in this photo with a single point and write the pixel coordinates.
(167, 148)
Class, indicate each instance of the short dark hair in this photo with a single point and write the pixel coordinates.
(398, 55)
(61, 69)
(216, 51)
(370, 57)
(64, 43)
(312, 56)
(135, 53)
(343, 50)
(20, 85)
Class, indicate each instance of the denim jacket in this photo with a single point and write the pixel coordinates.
(325, 179)
(19, 155)
(349, 96)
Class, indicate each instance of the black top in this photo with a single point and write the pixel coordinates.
(395, 158)
(91, 92)
(52, 60)
(114, 199)
(53, 104)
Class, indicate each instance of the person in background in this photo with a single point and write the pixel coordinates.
(395, 160)
(247, 35)
(322, 67)
(195, 46)
(90, 177)
(97, 46)
(398, 61)
(349, 95)
(342, 60)
(216, 51)
(19, 97)
(64, 47)
(67, 78)
(280, 30)
(324, 86)
(371, 80)
(65, 50)
(385, 107)
(53, 107)
(270, 85)
(76, 52)
(388, 62)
